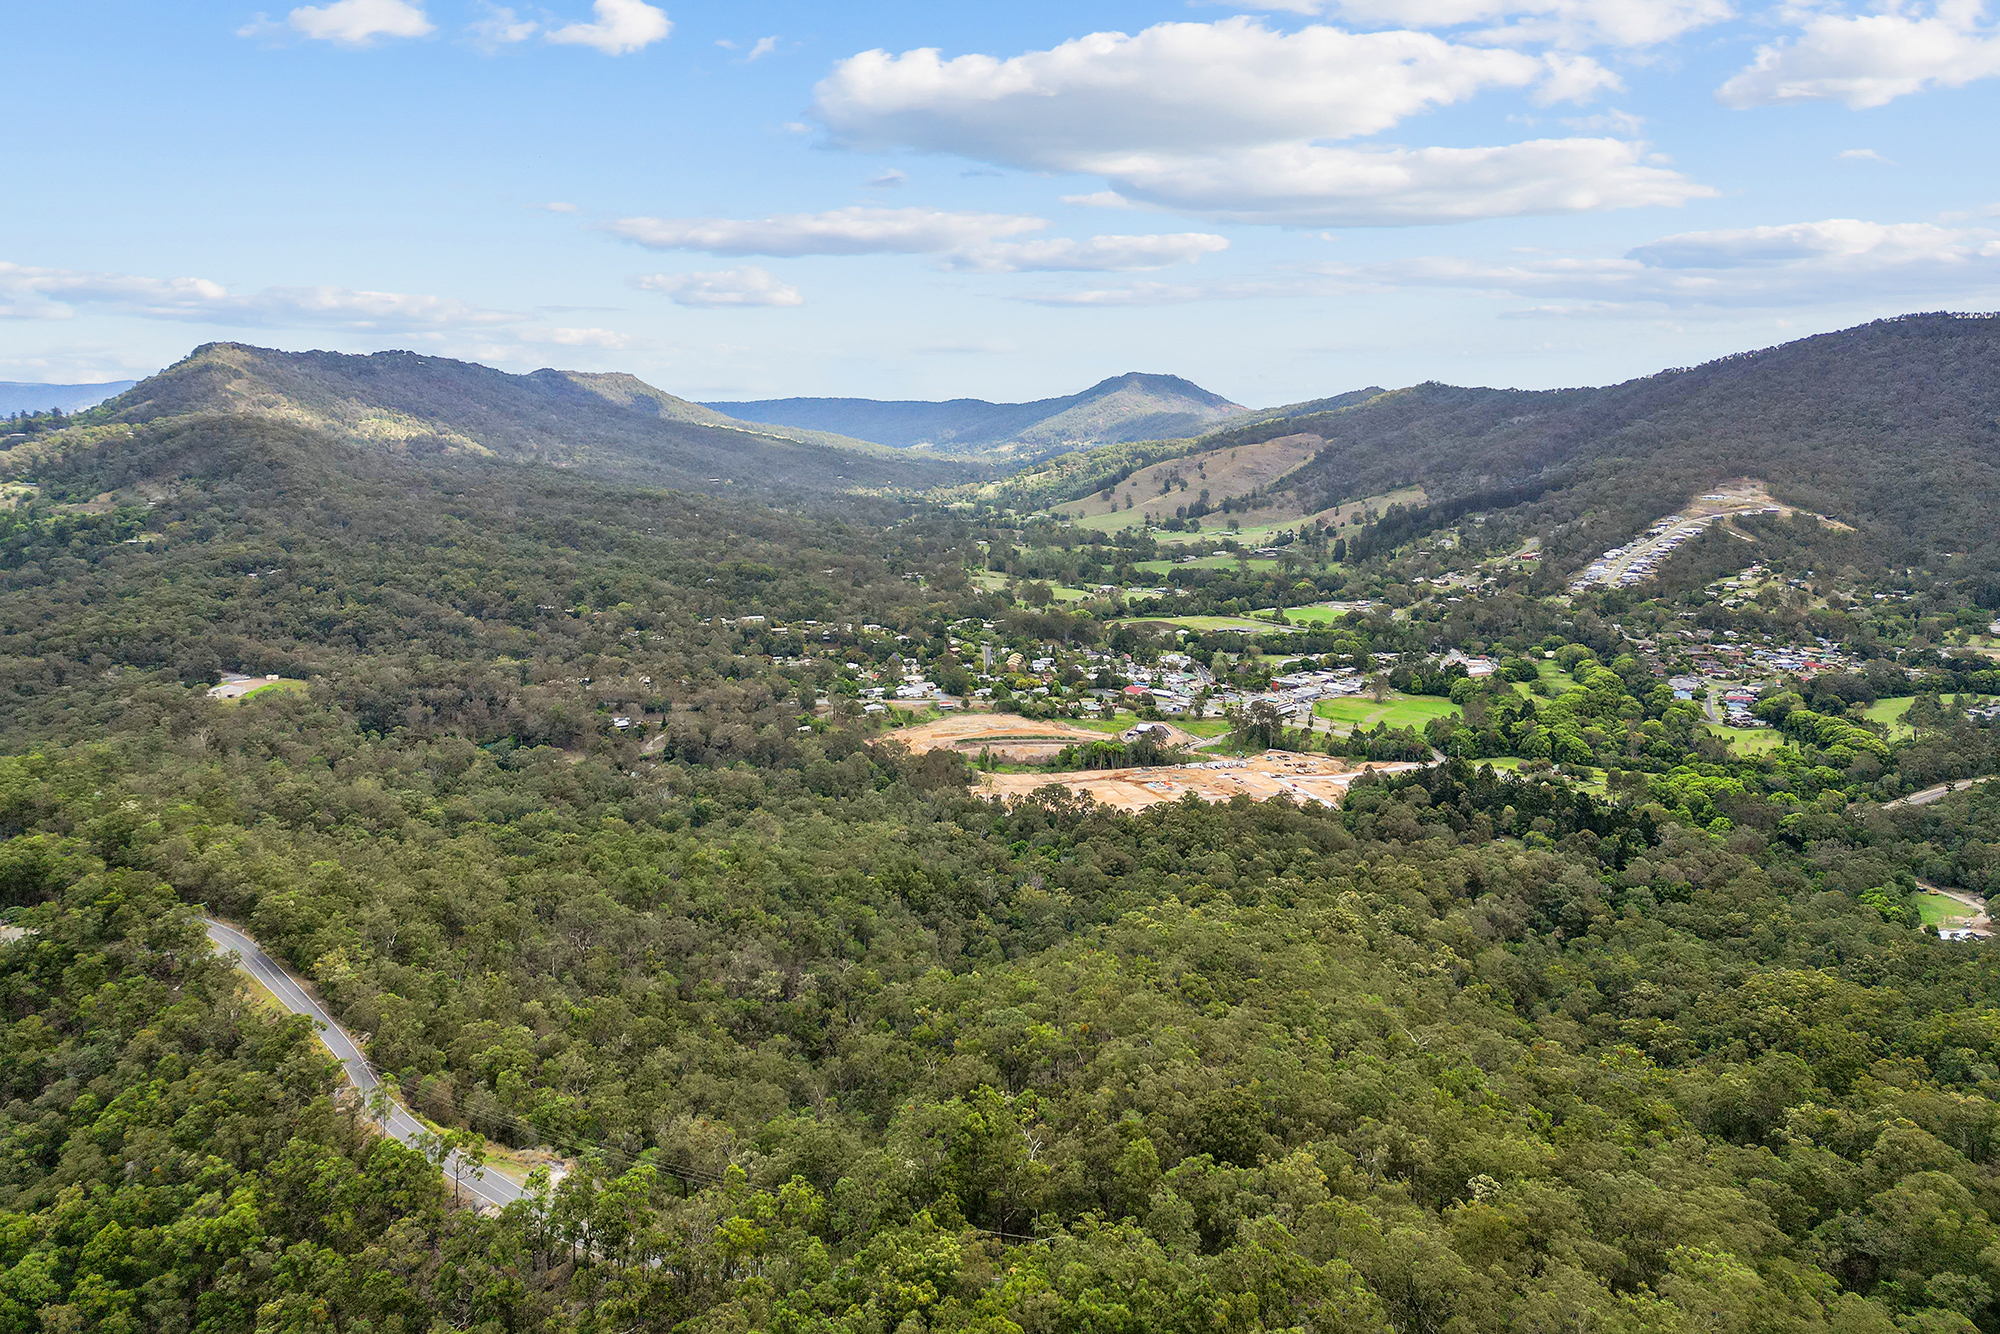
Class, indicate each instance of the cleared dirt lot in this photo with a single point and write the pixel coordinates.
(1275, 773)
(1011, 737)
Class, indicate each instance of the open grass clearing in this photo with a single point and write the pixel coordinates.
(1941, 910)
(1208, 623)
(1398, 710)
(1749, 742)
(1158, 489)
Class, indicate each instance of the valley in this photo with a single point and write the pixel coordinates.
(847, 887)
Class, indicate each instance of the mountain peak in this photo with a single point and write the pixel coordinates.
(1133, 406)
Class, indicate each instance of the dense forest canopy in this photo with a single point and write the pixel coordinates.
(1594, 1023)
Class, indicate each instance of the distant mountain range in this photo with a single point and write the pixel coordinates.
(17, 396)
(1121, 409)
(608, 425)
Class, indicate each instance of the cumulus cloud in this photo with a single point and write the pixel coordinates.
(745, 286)
(1180, 87)
(1098, 254)
(1565, 23)
(764, 47)
(1867, 60)
(847, 231)
(1230, 120)
(1793, 264)
(359, 22)
(622, 26)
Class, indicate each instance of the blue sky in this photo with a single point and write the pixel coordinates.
(997, 200)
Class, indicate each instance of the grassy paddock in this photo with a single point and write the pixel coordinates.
(1397, 710)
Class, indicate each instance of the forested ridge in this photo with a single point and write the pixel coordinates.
(609, 425)
(835, 1044)
(1890, 427)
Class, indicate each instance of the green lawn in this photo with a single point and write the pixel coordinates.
(1222, 560)
(1889, 712)
(1940, 909)
(1749, 741)
(1316, 614)
(1397, 711)
(284, 685)
(1207, 623)
(1509, 764)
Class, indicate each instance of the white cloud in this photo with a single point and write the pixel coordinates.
(890, 180)
(847, 231)
(556, 206)
(745, 286)
(622, 26)
(1099, 199)
(1867, 60)
(360, 22)
(1565, 23)
(59, 294)
(565, 337)
(501, 27)
(764, 47)
(1310, 186)
(970, 242)
(1098, 254)
(1229, 120)
(1795, 264)
(1180, 87)
(1864, 155)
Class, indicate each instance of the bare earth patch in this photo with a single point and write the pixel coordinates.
(1275, 773)
(1012, 737)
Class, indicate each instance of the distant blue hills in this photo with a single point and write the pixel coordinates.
(16, 396)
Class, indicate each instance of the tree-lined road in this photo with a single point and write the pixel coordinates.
(487, 1187)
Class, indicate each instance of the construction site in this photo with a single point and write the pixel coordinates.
(1275, 773)
(1017, 740)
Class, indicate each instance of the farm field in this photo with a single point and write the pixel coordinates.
(1397, 711)
(1274, 773)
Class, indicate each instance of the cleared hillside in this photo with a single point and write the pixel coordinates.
(1121, 409)
(609, 425)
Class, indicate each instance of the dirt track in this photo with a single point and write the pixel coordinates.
(1010, 736)
(1261, 777)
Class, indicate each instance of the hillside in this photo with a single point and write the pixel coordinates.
(1122, 408)
(608, 425)
(16, 396)
(1892, 426)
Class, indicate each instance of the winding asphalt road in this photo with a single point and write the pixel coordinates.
(489, 1188)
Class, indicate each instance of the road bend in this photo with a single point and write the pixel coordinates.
(489, 1188)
